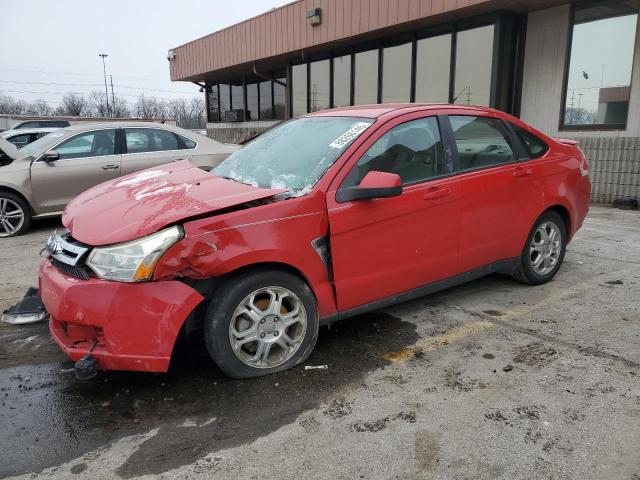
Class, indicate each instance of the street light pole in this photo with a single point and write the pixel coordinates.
(106, 90)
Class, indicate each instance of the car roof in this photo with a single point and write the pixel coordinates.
(22, 131)
(377, 110)
(79, 127)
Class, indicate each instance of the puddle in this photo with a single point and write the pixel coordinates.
(49, 418)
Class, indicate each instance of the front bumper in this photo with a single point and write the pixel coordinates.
(134, 325)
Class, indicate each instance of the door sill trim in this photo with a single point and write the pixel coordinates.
(506, 266)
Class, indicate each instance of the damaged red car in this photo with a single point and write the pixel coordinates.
(324, 217)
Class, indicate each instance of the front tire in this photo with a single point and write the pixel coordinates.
(15, 215)
(544, 251)
(261, 323)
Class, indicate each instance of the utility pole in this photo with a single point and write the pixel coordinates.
(113, 98)
(106, 90)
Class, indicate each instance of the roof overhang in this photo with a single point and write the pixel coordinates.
(274, 38)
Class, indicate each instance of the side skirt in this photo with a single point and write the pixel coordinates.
(507, 266)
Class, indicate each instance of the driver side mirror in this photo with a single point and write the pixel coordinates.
(373, 185)
(50, 156)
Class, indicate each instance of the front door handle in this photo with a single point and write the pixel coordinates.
(437, 193)
(522, 172)
(109, 167)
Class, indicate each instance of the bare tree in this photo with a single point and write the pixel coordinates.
(188, 113)
(74, 105)
(98, 104)
(10, 105)
(150, 107)
(120, 107)
(39, 107)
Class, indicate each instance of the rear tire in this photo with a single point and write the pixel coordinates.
(544, 251)
(260, 323)
(15, 215)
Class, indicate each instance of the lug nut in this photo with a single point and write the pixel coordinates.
(275, 319)
(262, 320)
(276, 333)
(262, 335)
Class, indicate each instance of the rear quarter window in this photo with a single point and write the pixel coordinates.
(534, 145)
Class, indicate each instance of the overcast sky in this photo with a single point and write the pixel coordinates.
(48, 48)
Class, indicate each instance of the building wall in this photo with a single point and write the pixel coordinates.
(228, 132)
(614, 155)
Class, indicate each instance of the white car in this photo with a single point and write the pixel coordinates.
(23, 137)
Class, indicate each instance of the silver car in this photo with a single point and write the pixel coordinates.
(40, 179)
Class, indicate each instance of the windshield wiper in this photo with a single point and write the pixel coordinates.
(235, 180)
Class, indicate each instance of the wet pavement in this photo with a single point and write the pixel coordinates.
(488, 380)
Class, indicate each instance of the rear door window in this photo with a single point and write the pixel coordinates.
(140, 140)
(481, 142)
(97, 143)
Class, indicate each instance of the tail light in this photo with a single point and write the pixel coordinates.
(584, 165)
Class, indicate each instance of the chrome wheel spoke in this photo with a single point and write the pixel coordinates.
(268, 317)
(11, 217)
(545, 248)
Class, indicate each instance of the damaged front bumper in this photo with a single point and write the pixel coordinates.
(123, 326)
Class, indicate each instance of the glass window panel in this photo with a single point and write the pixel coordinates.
(252, 101)
(90, 144)
(279, 93)
(236, 97)
(212, 98)
(266, 110)
(396, 74)
(601, 62)
(299, 89)
(412, 150)
(319, 85)
(342, 81)
(149, 140)
(474, 58)
(481, 142)
(366, 78)
(225, 101)
(433, 65)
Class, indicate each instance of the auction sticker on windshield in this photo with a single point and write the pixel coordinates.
(349, 135)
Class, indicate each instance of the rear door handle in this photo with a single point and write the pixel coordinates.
(109, 167)
(522, 172)
(437, 193)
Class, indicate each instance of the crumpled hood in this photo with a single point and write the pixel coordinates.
(142, 203)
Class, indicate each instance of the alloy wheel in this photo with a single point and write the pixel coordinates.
(545, 248)
(268, 327)
(11, 217)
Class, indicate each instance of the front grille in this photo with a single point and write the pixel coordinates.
(67, 254)
(78, 272)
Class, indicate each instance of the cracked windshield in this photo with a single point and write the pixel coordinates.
(295, 155)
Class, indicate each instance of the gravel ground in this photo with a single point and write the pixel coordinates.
(489, 380)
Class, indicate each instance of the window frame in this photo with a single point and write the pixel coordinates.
(392, 125)
(179, 141)
(519, 151)
(562, 127)
(54, 147)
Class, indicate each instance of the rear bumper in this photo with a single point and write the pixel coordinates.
(135, 325)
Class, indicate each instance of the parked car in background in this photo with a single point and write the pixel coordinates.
(23, 137)
(40, 178)
(41, 124)
(323, 217)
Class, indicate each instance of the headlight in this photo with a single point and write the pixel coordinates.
(132, 261)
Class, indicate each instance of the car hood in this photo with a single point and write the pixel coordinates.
(142, 203)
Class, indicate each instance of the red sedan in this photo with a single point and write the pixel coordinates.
(325, 217)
